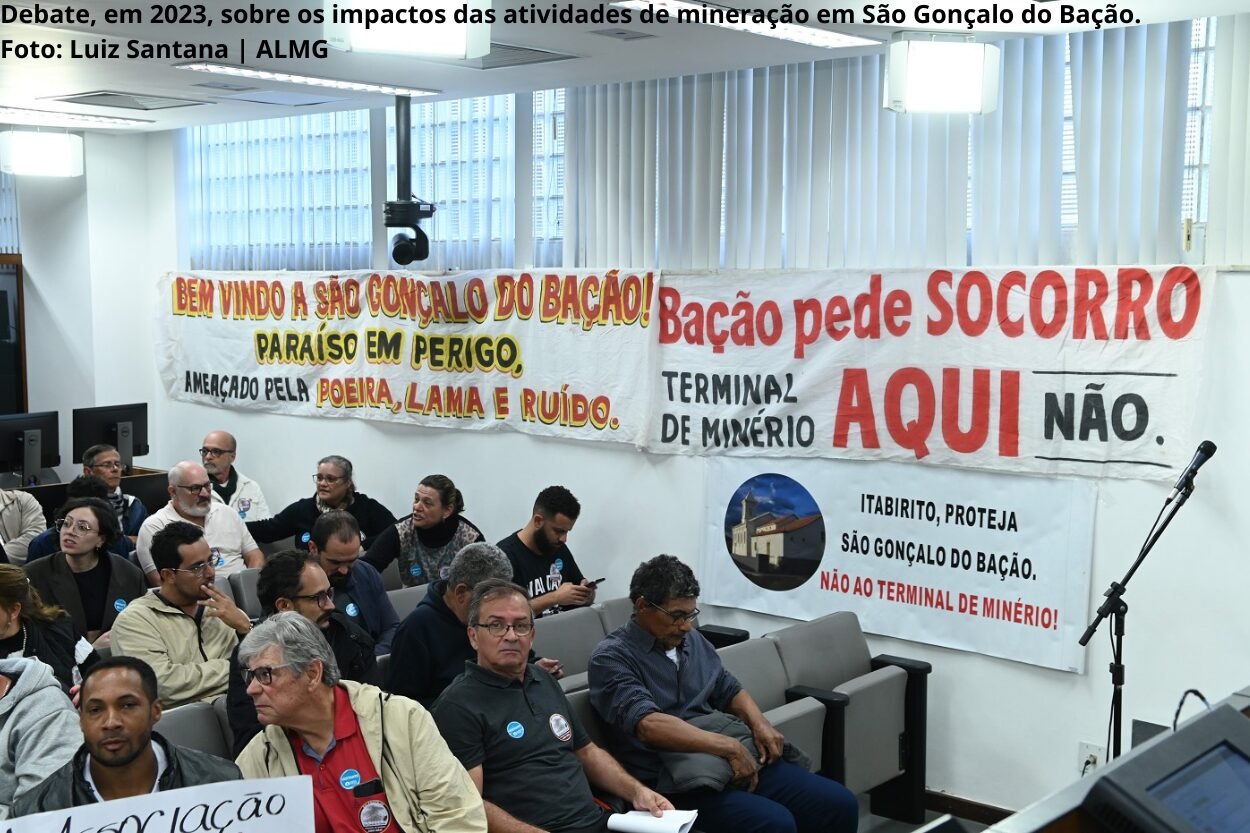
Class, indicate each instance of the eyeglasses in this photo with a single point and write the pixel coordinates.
(196, 488)
(107, 464)
(81, 527)
(215, 452)
(262, 675)
(498, 629)
(679, 617)
(327, 478)
(198, 569)
(319, 599)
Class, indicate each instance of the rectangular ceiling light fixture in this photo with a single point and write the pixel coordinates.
(51, 118)
(419, 28)
(308, 80)
(927, 73)
(35, 153)
(685, 11)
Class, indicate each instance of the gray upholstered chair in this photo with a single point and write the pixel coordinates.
(615, 613)
(243, 586)
(390, 577)
(195, 725)
(222, 584)
(757, 665)
(875, 724)
(570, 636)
(406, 599)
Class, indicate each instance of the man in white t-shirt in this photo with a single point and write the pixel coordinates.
(190, 500)
(230, 486)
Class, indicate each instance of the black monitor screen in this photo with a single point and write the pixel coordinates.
(1212, 793)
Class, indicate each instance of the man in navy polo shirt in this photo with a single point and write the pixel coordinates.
(358, 588)
(512, 728)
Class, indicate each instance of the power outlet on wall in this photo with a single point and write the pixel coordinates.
(1089, 756)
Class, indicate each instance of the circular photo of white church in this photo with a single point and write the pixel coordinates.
(774, 531)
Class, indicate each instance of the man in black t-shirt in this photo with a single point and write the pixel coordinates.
(512, 729)
(541, 563)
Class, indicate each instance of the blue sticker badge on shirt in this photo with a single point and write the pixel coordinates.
(305, 538)
(444, 573)
(558, 565)
(350, 779)
(119, 605)
(414, 570)
(351, 609)
(219, 560)
(516, 730)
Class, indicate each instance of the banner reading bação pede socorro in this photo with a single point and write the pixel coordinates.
(546, 354)
(1065, 370)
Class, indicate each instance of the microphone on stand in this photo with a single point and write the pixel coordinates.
(1184, 483)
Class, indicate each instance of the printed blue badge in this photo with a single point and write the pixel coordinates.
(305, 538)
(119, 605)
(516, 730)
(350, 779)
(351, 609)
(558, 565)
(414, 570)
(445, 572)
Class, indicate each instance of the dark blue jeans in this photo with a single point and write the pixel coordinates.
(789, 799)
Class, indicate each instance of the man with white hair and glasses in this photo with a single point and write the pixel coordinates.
(377, 761)
(191, 501)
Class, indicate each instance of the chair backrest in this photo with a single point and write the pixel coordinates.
(382, 670)
(197, 726)
(105, 651)
(570, 636)
(222, 584)
(615, 612)
(757, 665)
(243, 583)
(406, 599)
(579, 704)
(825, 652)
(275, 547)
(390, 576)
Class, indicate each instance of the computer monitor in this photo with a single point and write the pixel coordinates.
(125, 427)
(1194, 781)
(29, 443)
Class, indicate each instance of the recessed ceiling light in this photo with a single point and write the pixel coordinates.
(685, 11)
(50, 118)
(309, 80)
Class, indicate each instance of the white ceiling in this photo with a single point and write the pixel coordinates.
(674, 49)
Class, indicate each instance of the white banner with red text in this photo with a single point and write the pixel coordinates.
(542, 354)
(246, 806)
(1085, 371)
(978, 561)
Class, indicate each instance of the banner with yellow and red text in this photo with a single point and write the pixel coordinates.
(543, 354)
(1065, 370)
(1087, 371)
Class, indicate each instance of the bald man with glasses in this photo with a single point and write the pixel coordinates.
(230, 486)
(191, 501)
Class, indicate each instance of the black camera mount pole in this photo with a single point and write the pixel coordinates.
(1115, 606)
(404, 211)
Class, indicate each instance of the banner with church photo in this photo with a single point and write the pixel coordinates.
(983, 562)
(541, 353)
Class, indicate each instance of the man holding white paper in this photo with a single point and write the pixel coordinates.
(675, 710)
(513, 730)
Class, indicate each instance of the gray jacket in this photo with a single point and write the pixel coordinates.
(686, 771)
(39, 728)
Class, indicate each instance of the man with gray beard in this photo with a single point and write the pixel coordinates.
(190, 500)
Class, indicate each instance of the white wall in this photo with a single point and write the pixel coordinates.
(1000, 732)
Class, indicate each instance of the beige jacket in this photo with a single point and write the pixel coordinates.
(21, 519)
(426, 787)
(191, 661)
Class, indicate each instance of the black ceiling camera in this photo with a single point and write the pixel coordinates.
(406, 213)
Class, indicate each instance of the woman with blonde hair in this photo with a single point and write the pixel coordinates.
(30, 628)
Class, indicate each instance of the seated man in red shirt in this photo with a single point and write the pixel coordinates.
(377, 762)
